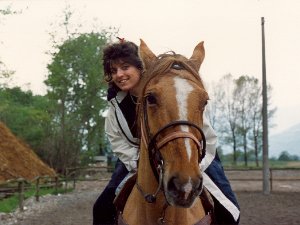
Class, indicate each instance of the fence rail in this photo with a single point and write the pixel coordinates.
(20, 186)
(73, 175)
(255, 174)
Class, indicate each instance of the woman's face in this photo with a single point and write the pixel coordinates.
(125, 76)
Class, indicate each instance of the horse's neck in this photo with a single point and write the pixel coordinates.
(146, 178)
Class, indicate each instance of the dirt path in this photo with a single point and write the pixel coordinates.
(280, 208)
(69, 209)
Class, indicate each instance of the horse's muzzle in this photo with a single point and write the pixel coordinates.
(183, 193)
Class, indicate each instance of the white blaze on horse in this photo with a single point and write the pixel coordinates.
(171, 105)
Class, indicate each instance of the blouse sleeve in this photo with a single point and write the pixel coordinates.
(121, 147)
(211, 143)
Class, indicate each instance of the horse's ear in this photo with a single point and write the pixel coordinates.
(146, 54)
(198, 56)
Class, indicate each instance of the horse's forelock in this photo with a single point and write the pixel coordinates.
(163, 64)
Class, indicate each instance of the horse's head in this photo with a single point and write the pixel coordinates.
(173, 99)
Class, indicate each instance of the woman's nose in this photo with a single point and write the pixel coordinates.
(120, 72)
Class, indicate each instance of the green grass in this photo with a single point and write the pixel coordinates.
(11, 203)
(273, 164)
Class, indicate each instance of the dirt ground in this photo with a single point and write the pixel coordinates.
(281, 207)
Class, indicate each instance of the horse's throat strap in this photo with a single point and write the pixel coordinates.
(178, 134)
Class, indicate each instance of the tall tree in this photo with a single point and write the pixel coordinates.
(225, 104)
(5, 73)
(78, 92)
(75, 84)
(255, 114)
(244, 89)
(237, 114)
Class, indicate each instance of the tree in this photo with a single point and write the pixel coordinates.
(286, 156)
(75, 85)
(237, 113)
(5, 73)
(26, 115)
(246, 89)
(77, 91)
(224, 108)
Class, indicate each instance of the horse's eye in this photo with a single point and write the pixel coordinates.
(203, 106)
(151, 99)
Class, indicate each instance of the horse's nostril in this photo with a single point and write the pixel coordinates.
(173, 184)
(177, 188)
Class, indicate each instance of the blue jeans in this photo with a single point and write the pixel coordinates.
(216, 172)
(104, 212)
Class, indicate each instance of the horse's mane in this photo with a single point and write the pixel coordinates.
(163, 64)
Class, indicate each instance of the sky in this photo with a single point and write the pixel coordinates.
(230, 29)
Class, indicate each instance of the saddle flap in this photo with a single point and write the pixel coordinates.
(121, 198)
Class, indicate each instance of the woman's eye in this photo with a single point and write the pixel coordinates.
(151, 99)
(125, 67)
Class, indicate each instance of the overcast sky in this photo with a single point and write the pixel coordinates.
(230, 29)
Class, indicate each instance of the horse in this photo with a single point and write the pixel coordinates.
(170, 110)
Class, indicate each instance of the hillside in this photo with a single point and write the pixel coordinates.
(18, 160)
(288, 140)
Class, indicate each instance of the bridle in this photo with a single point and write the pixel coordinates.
(154, 143)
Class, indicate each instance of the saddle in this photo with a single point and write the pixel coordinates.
(121, 199)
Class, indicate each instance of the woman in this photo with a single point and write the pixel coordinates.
(123, 69)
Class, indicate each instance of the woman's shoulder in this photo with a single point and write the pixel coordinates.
(119, 96)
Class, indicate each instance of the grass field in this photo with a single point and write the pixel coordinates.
(274, 164)
(11, 203)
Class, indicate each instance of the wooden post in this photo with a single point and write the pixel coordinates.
(56, 184)
(74, 182)
(271, 179)
(21, 193)
(37, 189)
(266, 171)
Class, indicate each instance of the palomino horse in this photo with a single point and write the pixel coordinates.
(169, 179)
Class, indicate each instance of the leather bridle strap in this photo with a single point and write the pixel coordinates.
(178, 134)
(153, 144)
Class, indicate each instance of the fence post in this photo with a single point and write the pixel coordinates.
(37, 189)
(56, 184)
(21, 193)
(66, 180)
(271, 179)
(74, 182)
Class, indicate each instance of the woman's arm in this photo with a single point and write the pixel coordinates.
(121, 147)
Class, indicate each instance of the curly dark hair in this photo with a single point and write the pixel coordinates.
(124, 51)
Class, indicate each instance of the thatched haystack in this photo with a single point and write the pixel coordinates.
(17, 160)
